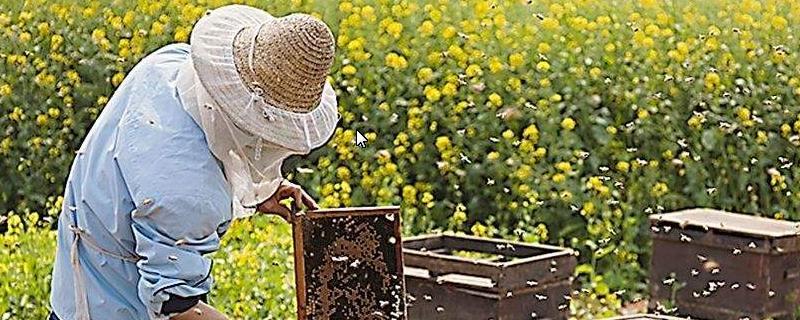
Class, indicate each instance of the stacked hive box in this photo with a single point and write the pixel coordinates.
(461, 277)
(718, 265)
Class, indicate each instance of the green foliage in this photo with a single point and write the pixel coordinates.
(559, 121)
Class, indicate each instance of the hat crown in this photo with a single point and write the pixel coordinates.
(286, 60)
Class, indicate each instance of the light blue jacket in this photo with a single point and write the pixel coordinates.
(144, 185)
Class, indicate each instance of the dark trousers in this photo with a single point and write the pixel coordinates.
(52, 316)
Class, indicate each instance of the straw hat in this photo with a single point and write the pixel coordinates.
(268, 74)
(291, 59)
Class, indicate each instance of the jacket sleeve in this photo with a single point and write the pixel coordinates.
(182, 202)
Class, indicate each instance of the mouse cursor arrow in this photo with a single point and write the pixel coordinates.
(361, 140)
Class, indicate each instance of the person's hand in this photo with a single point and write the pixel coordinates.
(201, 311)
(287, 190)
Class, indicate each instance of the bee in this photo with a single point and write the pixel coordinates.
(542, 57)
(540, 16)
(464, 158)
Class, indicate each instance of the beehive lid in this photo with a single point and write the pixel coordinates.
(730, 222)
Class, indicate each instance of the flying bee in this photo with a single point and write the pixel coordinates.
(540, 16)
(737, 30)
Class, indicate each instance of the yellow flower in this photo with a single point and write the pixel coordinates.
(508, 134)
(432, 94)
(743, 114)
(474, 70)
(449, 32)
(396, 61)
(564, 166)
(623, 166)
(659, 189)
(5, 90)
(182, 34)
(494, 155)
(5, 145)
(550, 23)
(761, 137)
(595, 72)
(426, 28)
(425, 74)
(531, 132)
(479, 229)
(786, 130)
(394, 29)
(157, 28)
(543, 66)
(449, 89)
(516, 60)
(117, 79)
(41, 119)
(588, 209)
(442, 143)
(349, 70)
(696, 121)
(568, 124)
(543, 47)
(779, 22)
(648, 3)
(43, 28)
(495, 100)
(24, 37)
(712, 80)
(559, 178)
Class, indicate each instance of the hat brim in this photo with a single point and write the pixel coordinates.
(212, 54)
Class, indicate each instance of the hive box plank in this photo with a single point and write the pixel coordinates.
(505, 281)
(723, 265)
(349, 264)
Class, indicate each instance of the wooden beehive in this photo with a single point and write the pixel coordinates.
(463, 277)
(349, 264)
(718, 265)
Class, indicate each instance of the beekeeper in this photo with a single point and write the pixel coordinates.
(193, 138)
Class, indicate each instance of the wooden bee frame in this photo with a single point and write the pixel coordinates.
(349, 264)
